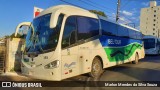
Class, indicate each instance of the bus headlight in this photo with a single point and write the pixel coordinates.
(52, 65)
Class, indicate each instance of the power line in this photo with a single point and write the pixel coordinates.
(109, 8)
(81, 7)
(101, 5)
(93, 5)
(115, 10)
(113, 17)
(98, 8)
(124, 5)
(72, 4)
(111, 1)
(124, 15)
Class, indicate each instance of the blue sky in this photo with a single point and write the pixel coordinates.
(13, 12)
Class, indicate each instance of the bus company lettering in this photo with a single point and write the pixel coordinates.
(71, 65)
(114, 41)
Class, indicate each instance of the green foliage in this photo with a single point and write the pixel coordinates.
(12, 70)
(98, 12)
(13, 36)
(6, 36)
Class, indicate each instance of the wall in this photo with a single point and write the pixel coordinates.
(14, 54)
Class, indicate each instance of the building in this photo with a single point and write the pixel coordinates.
(150, 20)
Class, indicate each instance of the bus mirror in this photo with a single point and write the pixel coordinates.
(54, 19)
(20, 26)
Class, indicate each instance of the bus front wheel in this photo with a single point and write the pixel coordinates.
(136, 59)
(96, 69)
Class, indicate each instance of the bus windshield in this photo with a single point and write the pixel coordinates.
(149, 43)
(40, 36)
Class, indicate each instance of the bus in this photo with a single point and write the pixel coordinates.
(65, 41)
(151, 45)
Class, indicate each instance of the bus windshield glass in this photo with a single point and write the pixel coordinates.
(149, 43)
(40, 36)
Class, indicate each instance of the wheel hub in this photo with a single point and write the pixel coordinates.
(96, 68)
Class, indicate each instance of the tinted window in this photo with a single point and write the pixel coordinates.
(149, 43)
(69, 32)
(132, 34)
(123, 31)
(87, 27)
(44, 38)
(139, 35)
(109, 28)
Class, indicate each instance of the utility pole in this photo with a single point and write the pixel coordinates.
(118, 10)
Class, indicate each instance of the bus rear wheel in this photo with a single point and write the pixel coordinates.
(136, 59)
(96, 69)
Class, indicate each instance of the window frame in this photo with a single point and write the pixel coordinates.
(92, 37)
(75, 33)
(116, 34)
(78, 42)
(129, 30)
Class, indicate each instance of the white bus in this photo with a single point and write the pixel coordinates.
(66, 41)
(151, 45)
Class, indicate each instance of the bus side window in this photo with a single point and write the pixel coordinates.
(87, 27)
(123, 31)
(132, 34)
(69, 32)
(109, 28)
(139, 35)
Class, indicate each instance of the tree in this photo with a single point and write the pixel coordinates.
(98, 12)
(6, 36)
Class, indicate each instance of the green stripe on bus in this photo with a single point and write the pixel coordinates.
(122, 53)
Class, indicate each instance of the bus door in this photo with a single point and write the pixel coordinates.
(84, 58)
(69, 49)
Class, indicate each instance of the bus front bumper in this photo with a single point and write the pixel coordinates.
(42, 73)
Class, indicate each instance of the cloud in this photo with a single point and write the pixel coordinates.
(112, 17)
(145, 3)
(124, 20)
(127, 13)
(135, 18)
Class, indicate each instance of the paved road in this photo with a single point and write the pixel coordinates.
(147, 69)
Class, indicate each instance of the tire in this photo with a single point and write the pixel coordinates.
(96, 69)
(136, 59)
